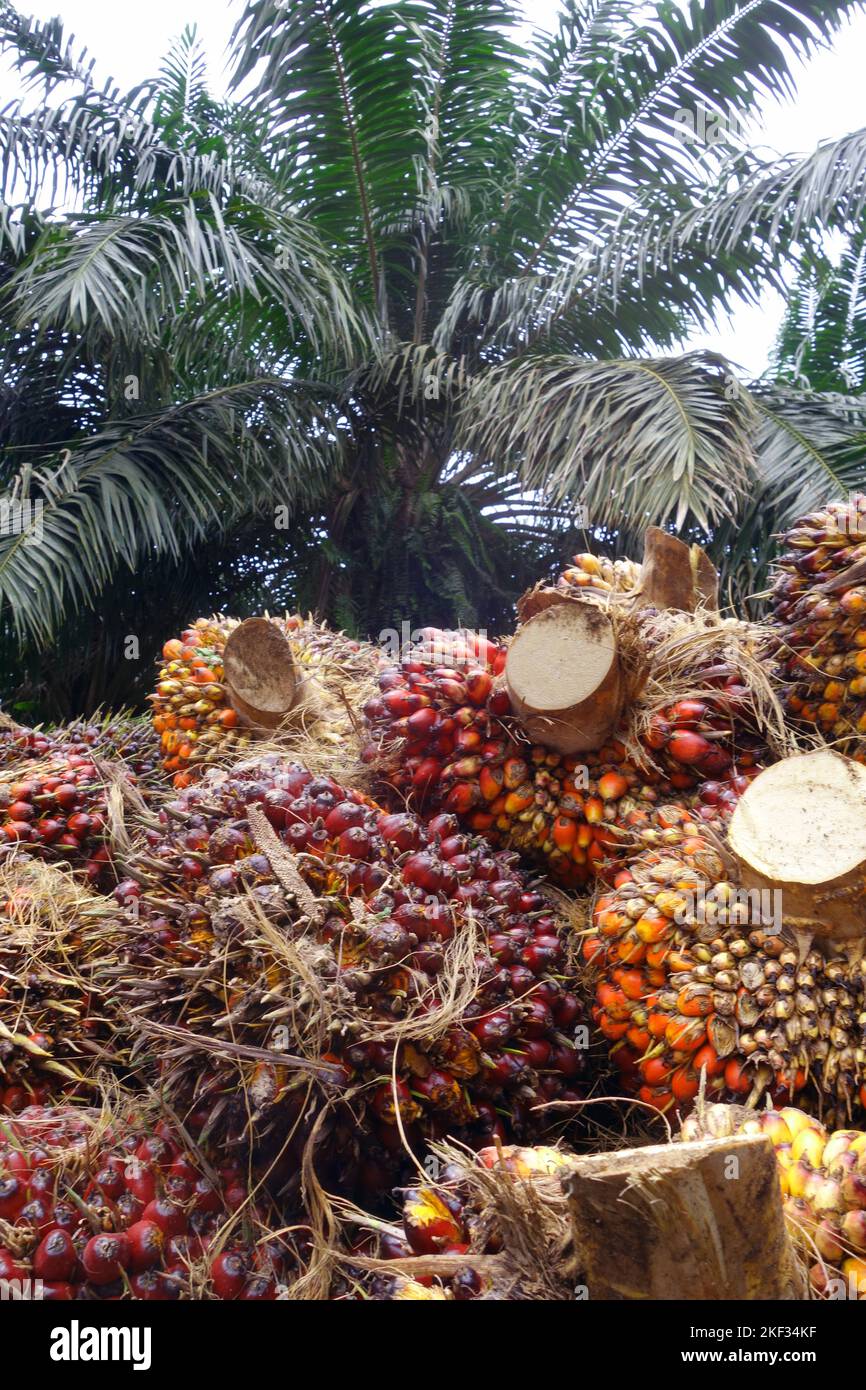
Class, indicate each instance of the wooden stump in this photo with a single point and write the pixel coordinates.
(563, 675)
(699, 1220)
(676, 575)
(800, 830)
(260, 673)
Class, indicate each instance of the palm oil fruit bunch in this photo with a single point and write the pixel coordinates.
(93, 1207)
(699, 740)
(55, 1026)
(590, 575)
(697, 975)
(412, 970)
(823, 1180)
(55, 806)
(122, 736)
(713, 734)
(444, 738)
(192, 713)
(18, 744)
(819, 611)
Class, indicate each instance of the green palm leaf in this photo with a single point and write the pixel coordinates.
(127, 274)
(159, 485)
(648, 440)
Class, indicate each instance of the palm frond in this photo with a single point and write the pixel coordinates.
(776, 202)
(606, 300)
(128, 274)
(650, 440)
(182, 82)
(810, 446)
(468, 63)
(336, 81)
(41, 51)
(705, 240)
(155, 485)
(619, 115)
(822, 341)
(464, 99)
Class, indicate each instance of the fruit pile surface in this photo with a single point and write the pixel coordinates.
(415, 973)
(96, 1208)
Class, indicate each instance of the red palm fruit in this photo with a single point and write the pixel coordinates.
(105, 1256)
(737, 1078)
(10, 1268)
(428, 1223)
(612, 785)
(355, 843)
(13, 1195)
(461, 798)
(146, 1240)
(688, 747)
(183, 1166)
(228, 1272)
(140, 1180)
(684, 1084)
(148, 1286)
(53, 1292)
(55, 1257)
(258, 1288)
(399, 830)
(171, 1219)
(205, 1197)
(478, 685)
(706, 1058)
(439, 1089)
(493, 1028)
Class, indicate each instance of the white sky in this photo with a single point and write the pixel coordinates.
(128, 42)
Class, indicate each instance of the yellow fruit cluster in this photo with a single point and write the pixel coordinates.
(191, 713)
(823, 1180)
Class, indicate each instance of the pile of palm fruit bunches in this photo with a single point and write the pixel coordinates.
(450, 907)
(55, 786)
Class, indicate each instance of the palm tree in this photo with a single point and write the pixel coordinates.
(396, 309)
(821, 344)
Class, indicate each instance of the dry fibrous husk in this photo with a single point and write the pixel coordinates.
(57, 1028)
